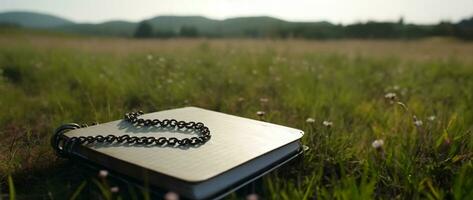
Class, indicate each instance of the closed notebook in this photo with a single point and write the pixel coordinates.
(239, 148)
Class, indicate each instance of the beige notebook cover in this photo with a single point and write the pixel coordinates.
(235, 140)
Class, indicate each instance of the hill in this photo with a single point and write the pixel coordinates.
(174, 23)
(253, 27)
(32, 20)
(257, 26)
(111, 28)
(234, 27)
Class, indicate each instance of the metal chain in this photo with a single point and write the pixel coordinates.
(132, 117)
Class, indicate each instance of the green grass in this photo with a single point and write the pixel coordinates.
(46, 81)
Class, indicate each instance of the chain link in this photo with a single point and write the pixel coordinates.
(63, 144)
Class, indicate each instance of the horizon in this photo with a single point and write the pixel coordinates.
(347, 13)
(221, 19)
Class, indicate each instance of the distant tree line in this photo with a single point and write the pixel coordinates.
(145, 30)
(367, 30)
(9, 25)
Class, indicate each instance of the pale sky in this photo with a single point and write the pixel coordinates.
(343, 11)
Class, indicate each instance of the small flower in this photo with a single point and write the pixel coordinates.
(264, 100)
(103, 173)
(252, 197)
(149, 57)
(310, 120)
(328, 124)
(260, 113)
(396, 87)
(431, 118)
(114, 189)
(417, 122)
(171, 196)
(391, 96)
(378, 144)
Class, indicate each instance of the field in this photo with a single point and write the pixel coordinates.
(415, 96)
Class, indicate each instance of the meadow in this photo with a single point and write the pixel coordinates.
(383, 119)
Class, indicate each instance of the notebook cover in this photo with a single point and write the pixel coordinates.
(235, 140)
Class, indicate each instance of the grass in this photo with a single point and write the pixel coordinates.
(47, 80)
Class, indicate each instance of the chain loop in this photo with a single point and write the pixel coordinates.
(63, 145)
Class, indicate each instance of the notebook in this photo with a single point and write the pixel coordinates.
(239, 148)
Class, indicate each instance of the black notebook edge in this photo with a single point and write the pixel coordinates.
(182, 187)
(207, 188)
(259, 174)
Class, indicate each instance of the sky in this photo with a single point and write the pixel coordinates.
(342, 11)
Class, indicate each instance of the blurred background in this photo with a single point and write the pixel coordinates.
(382, 89)
(244, 19)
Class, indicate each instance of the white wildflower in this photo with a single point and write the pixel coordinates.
(264, 100)
(327, 123)
(390, 96)
(103, 173)
(431, 118)
(310, 120)
(418, 122)
(171, 196)
(114, 189)
(377, 144)
(252, 197)
(149, 57)
(260, 113)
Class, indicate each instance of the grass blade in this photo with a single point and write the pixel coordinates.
(11, 188)
(78, 190)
